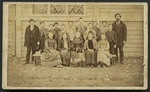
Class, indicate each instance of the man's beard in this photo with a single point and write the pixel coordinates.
(117, 19)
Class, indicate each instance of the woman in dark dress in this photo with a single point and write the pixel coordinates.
(77, 54)
(64, 48)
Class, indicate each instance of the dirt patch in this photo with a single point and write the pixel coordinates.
(128, 75)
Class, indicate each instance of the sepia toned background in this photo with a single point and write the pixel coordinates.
(131, 75)
(19, 14)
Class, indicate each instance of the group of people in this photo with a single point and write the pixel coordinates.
(85, 46)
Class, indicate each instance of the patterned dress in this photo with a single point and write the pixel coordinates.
(77, 54)
(103, 53)
(51, 56)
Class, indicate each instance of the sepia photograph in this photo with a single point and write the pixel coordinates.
(75, 45)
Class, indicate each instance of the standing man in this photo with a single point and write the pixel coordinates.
(121, 30)
(97, 30)
(32, 38)
(81, 27)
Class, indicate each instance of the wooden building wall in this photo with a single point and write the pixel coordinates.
(132, 15)
(11, 29)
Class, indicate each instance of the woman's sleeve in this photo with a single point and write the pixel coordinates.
(94, 34)
(73, 46)
(95, 42)
(107, 45)
(46, 45)
(55, 45)
(85, 45)
(85, 35)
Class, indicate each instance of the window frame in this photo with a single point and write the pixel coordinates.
(66, 11)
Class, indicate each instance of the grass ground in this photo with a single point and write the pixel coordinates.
(128, 75)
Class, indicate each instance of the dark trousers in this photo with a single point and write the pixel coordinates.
(111, 47)
(90, 58)
(29, 49)
(111, 51)
(42, 45)
(121, 53)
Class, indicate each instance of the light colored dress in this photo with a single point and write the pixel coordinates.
(103, 53)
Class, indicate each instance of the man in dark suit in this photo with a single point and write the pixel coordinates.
(32, 38)
(121, 30)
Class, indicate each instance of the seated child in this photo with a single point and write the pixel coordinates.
(77, 53)
(90, 47)
(103, 57)
(51, 56)
(64, 47)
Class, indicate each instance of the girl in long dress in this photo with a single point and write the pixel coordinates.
(90, 47)
(51, 56)
(77, 53)
(64, 48)
(104, 56)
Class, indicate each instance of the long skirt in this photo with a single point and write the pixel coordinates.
(78, 59)
(51, 58)
(65, 57)
(90, 58)
(103, 57)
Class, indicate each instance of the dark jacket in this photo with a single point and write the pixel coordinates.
(111, 36)
(43, 33)
(78, 45)
(86, 45)
(121, 31)
(54, 34)
(36, 36)
(98, 33)
(81, 28)
(61, 45)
